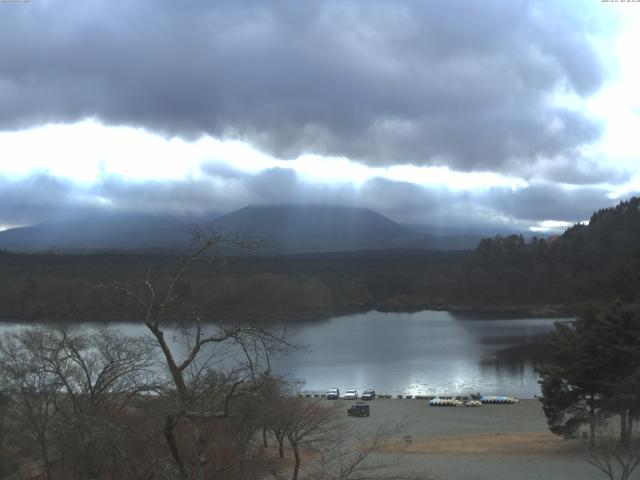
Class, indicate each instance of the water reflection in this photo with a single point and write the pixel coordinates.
(416, 353)
(420, 353)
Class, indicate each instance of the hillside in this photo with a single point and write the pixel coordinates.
(314, 228)
(280, 229)
(570, 269)
(103, 232)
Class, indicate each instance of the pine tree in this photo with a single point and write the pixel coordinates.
(592, 371)
(571, 381)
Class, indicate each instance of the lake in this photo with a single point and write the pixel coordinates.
(426, 352)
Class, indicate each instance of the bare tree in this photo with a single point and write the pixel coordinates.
(69, 396)
(7, 465)
(330, 450)
(615, 458)
(209, 365)
(104, 367)
(102, 373)
(347, 456)
(308, 424)
(32, 391)
(274, 411)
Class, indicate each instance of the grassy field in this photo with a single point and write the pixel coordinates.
(497, 442)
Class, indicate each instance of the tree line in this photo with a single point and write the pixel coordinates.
(565, 270)
(42, 287)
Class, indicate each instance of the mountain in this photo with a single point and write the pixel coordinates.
(314, 228)
(320, 228)
(103, 232)
(279, 229)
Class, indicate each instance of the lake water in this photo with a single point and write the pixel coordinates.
(425, 352)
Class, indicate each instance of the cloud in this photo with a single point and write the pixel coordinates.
(577, 172)
(540, 202)
(464, 84)
(36, 198)
(42, 197)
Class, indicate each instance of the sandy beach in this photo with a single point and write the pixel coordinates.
(497, 442)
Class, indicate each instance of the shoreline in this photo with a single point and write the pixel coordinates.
(480, 312)
(402, 397)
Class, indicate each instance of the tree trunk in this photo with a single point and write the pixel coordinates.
(592, 421)
(624, 438)
(201, 451)
(169, 425)
(280, 447)
(176, 374)
(264, 436)
(45, 458)
(630, 427)
(296, 465)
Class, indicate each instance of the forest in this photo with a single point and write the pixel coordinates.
(298, 287)
(553, 275)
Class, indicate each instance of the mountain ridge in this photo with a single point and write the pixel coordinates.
(280, 229)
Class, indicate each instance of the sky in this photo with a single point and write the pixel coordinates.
(515, 114)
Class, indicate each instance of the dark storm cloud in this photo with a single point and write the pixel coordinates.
(498, 207)
(176, 197)
(577, 172)
(466, 84)
(548, 202)
(37, 198)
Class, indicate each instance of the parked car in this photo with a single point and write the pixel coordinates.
(358, 409)
(368, 395)
(351, 395)
(333, 394)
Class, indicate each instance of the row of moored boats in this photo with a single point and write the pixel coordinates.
(475, 401)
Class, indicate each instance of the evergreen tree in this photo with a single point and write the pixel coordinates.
(592, 371)
(619, 334)
(571, 381)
